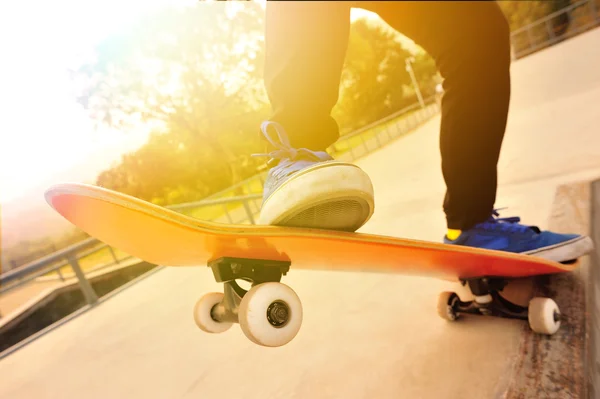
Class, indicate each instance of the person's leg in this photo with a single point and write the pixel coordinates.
(305, 49)
(471, 46)
(306, 46)
(470, 42)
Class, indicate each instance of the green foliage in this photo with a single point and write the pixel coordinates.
(373, 78)
(194, 77)
(521, 13)
(375, 82)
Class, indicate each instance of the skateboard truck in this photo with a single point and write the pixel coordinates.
(269, 314)
(227, 270)
(542, 313)
(488, 300)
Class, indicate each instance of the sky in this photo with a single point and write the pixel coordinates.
(42, 130)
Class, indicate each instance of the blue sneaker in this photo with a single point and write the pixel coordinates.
(506, 234)
(309, 189)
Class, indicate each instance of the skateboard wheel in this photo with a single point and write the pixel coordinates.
(544, 316)
(445, 306)
(202, 314)
(270, 314)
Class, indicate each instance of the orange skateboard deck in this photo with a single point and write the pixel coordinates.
(262, 254)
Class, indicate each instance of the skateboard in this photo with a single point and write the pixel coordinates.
(270, 312)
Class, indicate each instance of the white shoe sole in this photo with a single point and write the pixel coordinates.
(329, 195)
(565, 251)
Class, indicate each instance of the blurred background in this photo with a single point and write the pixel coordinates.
(162, 100)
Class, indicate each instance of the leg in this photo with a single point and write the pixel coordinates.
(305, 49)
(471, 46)
(470, 43)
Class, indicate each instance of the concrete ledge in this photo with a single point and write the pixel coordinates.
(563, 365)
(593, 299)
(52, 307)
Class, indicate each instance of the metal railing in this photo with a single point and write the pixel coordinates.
(72, 255)
(381, 132)
(582, 16)
(21, 275)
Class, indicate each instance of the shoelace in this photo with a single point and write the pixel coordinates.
(508, 224)
(284, 149)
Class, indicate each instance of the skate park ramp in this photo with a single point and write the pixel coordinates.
(369, 335)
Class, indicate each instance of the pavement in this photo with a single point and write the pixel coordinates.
(364, 335)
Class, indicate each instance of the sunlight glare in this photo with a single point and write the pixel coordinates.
(45, 131)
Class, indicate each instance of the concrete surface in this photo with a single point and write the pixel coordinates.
(364, 335)
(16, 298)
(561, 366)
(594, 300)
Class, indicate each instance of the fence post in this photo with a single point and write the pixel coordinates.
(362, 138)
(248, 212)
(112, 252)
(399, 130)
(88, 292)
(595, 15)
(227, 213)
(531, 47)
(377, 138)
(60, 275)
(549, 30)
(389, 130)
(254, 205)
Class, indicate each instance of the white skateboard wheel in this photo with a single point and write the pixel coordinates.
(270, 314)
(544, 316)
(202, 314)
(444, 306)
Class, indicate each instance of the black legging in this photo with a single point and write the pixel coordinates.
(470, 41)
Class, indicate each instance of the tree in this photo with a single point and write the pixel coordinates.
(561, 22)
(374, 76)
(522, 13)
(194, 76)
